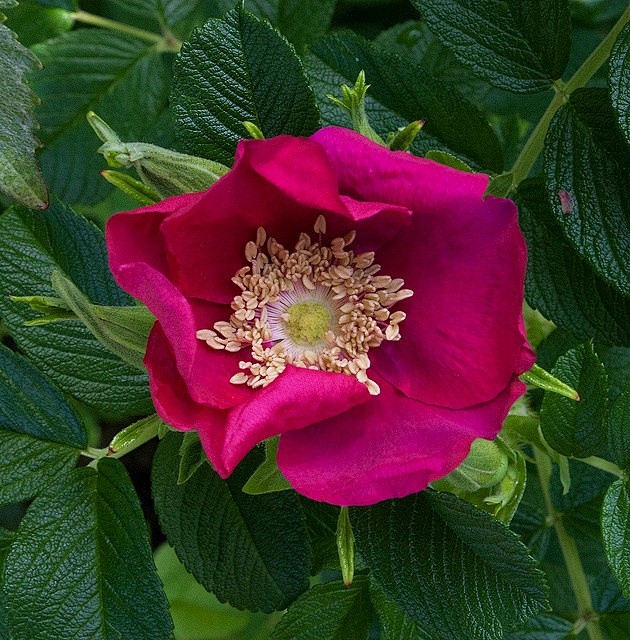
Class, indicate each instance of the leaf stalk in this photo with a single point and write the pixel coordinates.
(534, 144)
(587, 617)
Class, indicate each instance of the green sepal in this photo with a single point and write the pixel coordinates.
(133, 436)
(353, 101)
(267, 478)
(402, 139)
(254, 130)
(447, 159)
(131, 187)
(164, 171)
(542, 379)
(345, 546)
(192, 456)
(492, 478)
(501, 185)
(123, 330)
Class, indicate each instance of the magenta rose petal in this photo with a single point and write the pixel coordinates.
(464, 258)
(281, 185)
(389, 447)
(295, 400)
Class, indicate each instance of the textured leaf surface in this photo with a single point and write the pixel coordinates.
(237, 69)
(433, 554)
(395, 624)
(32, 246)
(328, 611)
(586, 165)
(616, 532)
(401, 91)
(618, 429)
(619, 80)
(543, 627)
(576, 428)
(20, 176)
(251, 551)
(81, 565)
(35, 23)
(122, 79)
(40, 434)
(518, 45)
(562, 285)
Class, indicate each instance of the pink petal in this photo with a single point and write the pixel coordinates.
(282, 184)
(464, 257)
(388, 447)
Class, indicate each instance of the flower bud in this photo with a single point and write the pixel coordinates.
(167, 172)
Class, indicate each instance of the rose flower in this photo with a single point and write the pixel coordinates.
(363, 303)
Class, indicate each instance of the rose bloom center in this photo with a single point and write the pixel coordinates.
(319, 306)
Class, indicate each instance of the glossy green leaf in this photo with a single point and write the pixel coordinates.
(394, 623)
(251, 551)
(328, 612)
(267, 478)
(192, 456)
(619, 80)
(81, 565)
(616, 532)
(586, 165)
(400, 92)
(197, 614)
(543, 627)
(562, 285)
(35, 23)
(74, 359)
(234, 69)
(20, 177)
(577, 428)
(618, 429)
(431, 544)
(123, 79)
(518, 45)
(40, 434)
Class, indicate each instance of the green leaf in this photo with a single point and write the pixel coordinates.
(40, 434)
(501, 185)
(447, 159)
(321, 524)
(542, 379)
(431, 544)
(616, 532)
(576, 428)
(81, 565)
(35, 23)
(401, 91)
(197, 614)
(543, 627)
(60, 240)
(267, 478)
(518, 45)
(192, 457)
(234, 69)
(395, 624)
(251, 551)
(123, 79)
(586, 164)
(328, 612)
(618, 429)
(20, 177)
(562, 285)
(619, 80)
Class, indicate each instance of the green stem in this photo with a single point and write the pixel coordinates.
(130, 438)
(164, 42)
(536, 140)
(604, 465)
(587, 616)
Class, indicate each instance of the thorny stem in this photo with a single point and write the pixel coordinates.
(163, 42)
(535, 142)
(587, 618)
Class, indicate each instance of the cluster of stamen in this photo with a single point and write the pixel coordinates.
(318, 307)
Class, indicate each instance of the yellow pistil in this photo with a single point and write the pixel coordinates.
(318, 306)
(308, 322)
